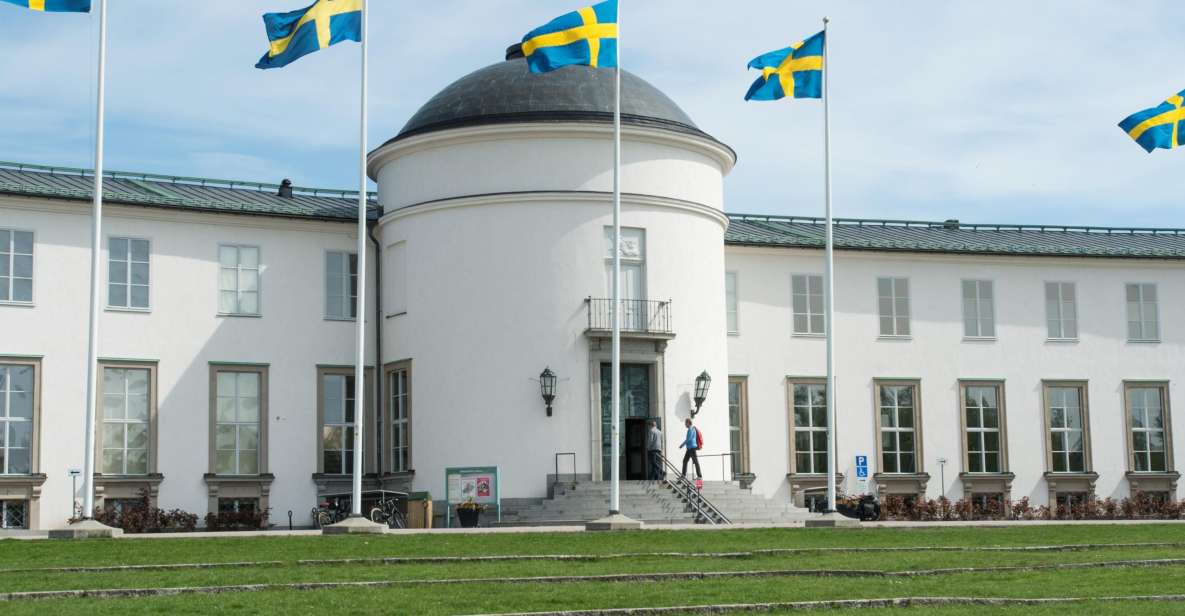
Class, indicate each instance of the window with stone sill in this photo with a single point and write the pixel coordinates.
(126, 426)
(809, 416)
(399, 386)
(16, 418)
(1147, 421)
(983, 421)
(237, 423)
(1068, 430)
(337, 430)
(898, 413)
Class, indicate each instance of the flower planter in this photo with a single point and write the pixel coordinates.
(468, 517)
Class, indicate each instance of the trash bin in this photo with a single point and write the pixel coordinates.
(419, 510)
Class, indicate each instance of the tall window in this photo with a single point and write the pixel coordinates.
(127, 273)
(979, 312)
(237, 423)
(395, 279)
(810, 427)
(893, 305)
(1143, 318)
(238, 280)
(898, 427)
(1061, 310)
(1067, 428)
(16, 419)
(1147, 418)
(341, 285)
(984, 425)
(16, 266)
(400, 413)
(730, 300)
(337, 429)
(127, 397)
(633, 276)
(807, 296)
(738, 426)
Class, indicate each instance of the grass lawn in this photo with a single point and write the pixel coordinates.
(478, 588)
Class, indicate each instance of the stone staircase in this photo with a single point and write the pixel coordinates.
(652, 502)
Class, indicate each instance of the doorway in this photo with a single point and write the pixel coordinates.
(635, 411)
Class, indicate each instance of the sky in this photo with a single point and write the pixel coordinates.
(996, 112)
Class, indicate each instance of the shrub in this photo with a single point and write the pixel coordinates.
(144, 518)
(1139, 506)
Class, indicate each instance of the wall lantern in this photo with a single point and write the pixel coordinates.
(547, 388)
(702, 382)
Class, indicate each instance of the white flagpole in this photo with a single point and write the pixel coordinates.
(92, 355)
(829, 272)
(615, 379)
(360, 310)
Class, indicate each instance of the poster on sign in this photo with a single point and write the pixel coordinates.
(478, 484)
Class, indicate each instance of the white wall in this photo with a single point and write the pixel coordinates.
(183, 333)
(766, 351)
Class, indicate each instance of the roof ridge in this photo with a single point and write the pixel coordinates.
(955, 225)
(184, 180)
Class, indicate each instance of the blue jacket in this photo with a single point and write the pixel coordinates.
(690, 441)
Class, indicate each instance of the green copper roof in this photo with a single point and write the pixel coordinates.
(197, 194)
(955, 237)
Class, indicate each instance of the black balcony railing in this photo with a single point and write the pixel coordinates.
(637, 315)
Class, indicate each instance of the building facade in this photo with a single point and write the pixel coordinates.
(973, 361)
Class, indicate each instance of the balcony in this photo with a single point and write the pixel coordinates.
(640, 318)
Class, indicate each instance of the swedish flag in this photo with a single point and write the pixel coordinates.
(54, 6)
(310, 29)
(1162, 126)
(796, 71)
(587, 36)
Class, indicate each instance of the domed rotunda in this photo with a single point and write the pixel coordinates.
(496, 255)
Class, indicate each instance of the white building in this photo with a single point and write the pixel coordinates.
(226, 340)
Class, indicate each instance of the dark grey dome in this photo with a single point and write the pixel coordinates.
(507, 93)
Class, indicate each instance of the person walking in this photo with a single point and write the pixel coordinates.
(691, 443)
(654, 451)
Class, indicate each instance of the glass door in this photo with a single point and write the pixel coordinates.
(635, 403)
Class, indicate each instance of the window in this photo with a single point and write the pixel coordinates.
(979, 314)
(899, 427)
(1148, 420)
(738, 426)
(127, 273)
(1143, 319)
(633, 276)
(807, 295)
(238, 282)
(238, 505)
(1061, 310)
(399, 386)
(341, 285)
(1066, 419)
(237, 422)
(16, 266)
(16, 419)
(984, 424)
(337, 428)
(809, 427)
(893, 305)
(730, 300)
(14, 514)
(395, 273)
(127, 402)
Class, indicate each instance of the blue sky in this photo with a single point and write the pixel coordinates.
(987, 112)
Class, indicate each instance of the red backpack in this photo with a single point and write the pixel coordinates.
(699, 438)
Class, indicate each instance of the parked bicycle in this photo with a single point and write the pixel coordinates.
(381, 506)
(386, 510)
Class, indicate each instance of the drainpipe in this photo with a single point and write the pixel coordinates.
(379, 377)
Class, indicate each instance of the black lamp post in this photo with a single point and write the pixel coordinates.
(702, 382)
(547, 388)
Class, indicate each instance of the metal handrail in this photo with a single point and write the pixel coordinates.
(638, 315)
(556, 482)
(687, 490)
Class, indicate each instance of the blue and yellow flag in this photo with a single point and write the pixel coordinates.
(1162, 126)
(796, 71)
(54, 6)
(587, 36)
(310, 29)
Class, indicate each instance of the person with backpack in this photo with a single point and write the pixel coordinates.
(693, 443)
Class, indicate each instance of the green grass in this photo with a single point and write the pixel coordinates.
(479, 596)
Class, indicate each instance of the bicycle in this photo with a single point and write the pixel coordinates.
(386, 511)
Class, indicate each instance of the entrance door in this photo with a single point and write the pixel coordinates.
(635, 403)
(635, 449)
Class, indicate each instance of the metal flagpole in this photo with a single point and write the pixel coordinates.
(92, 356)
(615, 379)
(829, 273)
(360, 309)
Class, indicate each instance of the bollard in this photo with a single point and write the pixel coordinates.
(289, 519)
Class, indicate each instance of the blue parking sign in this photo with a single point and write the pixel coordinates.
(862, 472)
(862, 461)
